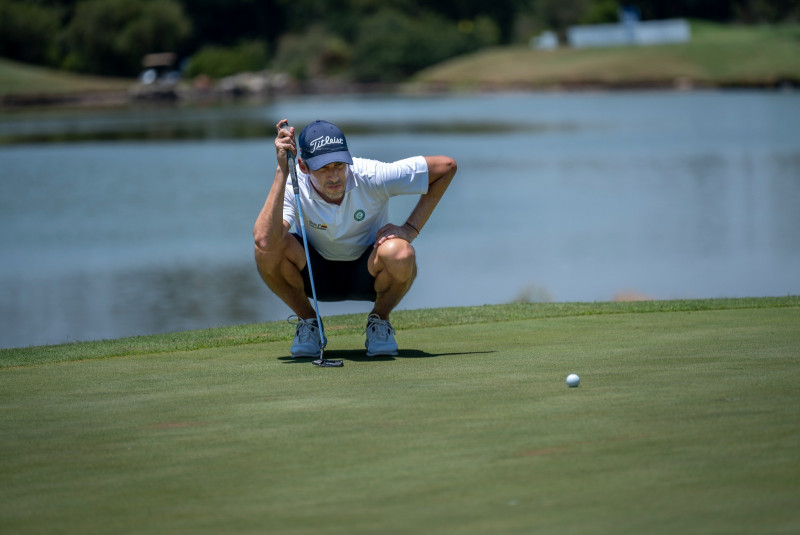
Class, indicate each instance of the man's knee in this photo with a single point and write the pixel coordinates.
(397, 257)
(272, 262)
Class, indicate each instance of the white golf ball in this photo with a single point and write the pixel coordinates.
(573, 380)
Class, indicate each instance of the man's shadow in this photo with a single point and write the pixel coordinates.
(358, 355)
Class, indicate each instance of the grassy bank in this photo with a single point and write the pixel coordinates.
(685, 422)
(22, 79)
(717, 56)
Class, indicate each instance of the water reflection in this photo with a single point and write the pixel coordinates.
(784, 193)
(114, 304)
(223, 123)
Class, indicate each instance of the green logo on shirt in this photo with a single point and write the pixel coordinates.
(359, 215)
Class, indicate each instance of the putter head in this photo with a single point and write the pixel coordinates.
(322, 361)
(325, 363)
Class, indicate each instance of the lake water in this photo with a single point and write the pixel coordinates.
(126, 222)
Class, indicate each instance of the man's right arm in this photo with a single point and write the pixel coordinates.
(270, 228)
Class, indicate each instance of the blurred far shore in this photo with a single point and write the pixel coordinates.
(676, 53)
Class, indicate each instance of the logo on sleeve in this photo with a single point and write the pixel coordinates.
(359, 215)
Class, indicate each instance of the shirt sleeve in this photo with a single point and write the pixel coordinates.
(288, 205)
(403, 177)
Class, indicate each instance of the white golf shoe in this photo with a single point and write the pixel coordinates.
(380, 337)
(307, 341)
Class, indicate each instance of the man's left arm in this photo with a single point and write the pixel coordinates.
(441, 170)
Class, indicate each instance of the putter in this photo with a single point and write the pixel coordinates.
(321, 361)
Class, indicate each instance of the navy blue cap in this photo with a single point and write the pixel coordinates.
(322, 143)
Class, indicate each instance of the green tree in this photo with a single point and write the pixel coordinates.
(230, 22)
(601, 12)
(111, 36)
(218, 61)
(719, 10)
(314, 53)
(27, 31)
(759, 11)
(559, 14)
(502, 13)
(391, 45)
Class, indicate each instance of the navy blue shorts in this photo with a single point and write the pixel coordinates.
(339, 281)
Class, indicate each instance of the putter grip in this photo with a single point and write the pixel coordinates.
(292, 166)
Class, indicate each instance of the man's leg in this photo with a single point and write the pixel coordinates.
(281, 269)
(394, 266)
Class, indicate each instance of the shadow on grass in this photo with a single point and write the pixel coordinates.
(357, 355)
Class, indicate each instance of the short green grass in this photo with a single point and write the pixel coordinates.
(716, 56)
(686, 421)
(22, 79)
(354, 323)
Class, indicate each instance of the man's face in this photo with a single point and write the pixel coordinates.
(330, 181)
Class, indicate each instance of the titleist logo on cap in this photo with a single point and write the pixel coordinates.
(324, 141)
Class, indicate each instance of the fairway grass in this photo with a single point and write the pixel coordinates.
(686, 421)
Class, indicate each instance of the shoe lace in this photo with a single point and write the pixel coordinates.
(381, 328)
(304, 328)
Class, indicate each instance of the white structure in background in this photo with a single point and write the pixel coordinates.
(629, 31)
(544, 41)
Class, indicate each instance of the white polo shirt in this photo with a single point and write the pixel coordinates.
(342, 231)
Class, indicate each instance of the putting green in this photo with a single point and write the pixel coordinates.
(684, 422)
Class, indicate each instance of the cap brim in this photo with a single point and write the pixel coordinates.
(324, 159)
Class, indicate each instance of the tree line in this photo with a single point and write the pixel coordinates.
(364, 40)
